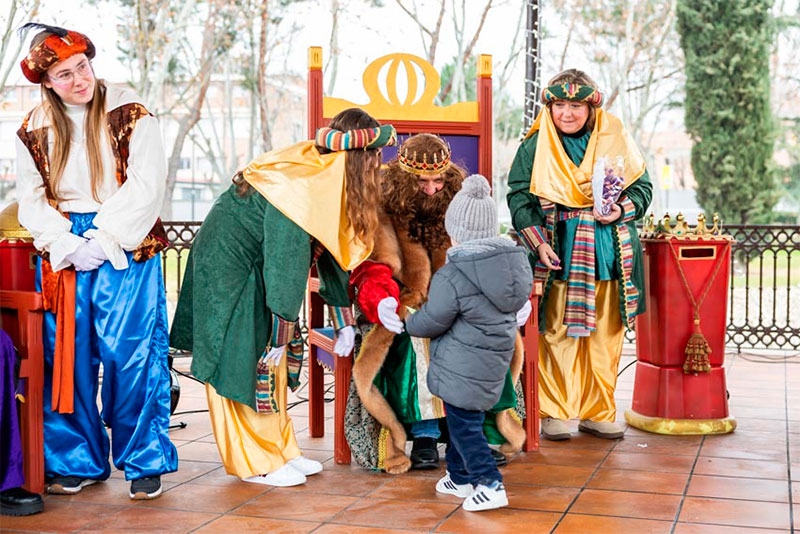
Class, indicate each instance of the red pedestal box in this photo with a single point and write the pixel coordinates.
(681, 273)
(17, 253)
(663, 330)
(667, 392)
(18, 260)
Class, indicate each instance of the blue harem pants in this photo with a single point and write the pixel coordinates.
(121, 323)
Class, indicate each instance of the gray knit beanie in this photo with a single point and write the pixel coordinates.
(472, 213)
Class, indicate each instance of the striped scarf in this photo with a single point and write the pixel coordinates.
(580, 312)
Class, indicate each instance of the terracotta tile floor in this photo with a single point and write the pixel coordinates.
(746, 481)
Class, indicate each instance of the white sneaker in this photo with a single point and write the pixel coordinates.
(486, 498)
(284, 477)
(307, 466)
(446, 485)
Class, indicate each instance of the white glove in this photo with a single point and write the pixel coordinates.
(345, 340)
(85, 257)
(387, 314)
(275, 355)
(96, 250)
(524, 313)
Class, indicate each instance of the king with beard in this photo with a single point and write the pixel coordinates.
(390, 402)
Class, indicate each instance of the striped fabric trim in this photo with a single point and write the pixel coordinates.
(628, 210)
(282, 331)
(294, 358)
(265, 386)
(341, 316)
(631, 294)
(580, 313)
(317, 249)
(540, 270)
(364, 138)
(533, 236)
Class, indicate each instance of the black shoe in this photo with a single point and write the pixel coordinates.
(67, 485)
(424, 454)
(499, 458)
(145, 488)
(18, 501)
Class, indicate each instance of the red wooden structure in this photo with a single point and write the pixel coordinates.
(21, 316)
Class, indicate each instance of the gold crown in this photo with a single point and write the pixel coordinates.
(665, 229)
(408, 162)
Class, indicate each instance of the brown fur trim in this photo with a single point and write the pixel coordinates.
(386, 249)
(511, 429)
(370, 359)
(508, 425)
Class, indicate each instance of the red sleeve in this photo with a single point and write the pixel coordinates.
(373, 282)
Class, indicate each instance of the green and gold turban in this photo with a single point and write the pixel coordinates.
(573, 92)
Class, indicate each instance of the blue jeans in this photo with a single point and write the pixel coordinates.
(469, 460)
(428, 428)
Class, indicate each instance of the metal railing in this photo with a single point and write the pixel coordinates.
(763, 301)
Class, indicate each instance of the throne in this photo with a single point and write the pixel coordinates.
(402, 89)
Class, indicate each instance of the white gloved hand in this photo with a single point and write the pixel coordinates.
(345, 340)
(387, 314)
(275, 355)
(84, 258)
(524, 313)
(96, 250)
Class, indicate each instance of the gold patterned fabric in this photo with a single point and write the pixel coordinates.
(577, 376)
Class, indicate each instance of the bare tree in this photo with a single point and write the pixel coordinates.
(635, 48)
(429, 35)
(19, 12)
(261, 69)
(461, 14)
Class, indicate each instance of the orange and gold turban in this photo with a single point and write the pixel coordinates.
(58, 46)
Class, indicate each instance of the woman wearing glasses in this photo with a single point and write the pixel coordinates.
(90, 183)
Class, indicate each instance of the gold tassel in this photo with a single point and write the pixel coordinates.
(697, 351)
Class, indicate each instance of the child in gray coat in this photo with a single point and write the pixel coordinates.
(472, 313)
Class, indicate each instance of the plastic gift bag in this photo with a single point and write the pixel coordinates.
(607, 182)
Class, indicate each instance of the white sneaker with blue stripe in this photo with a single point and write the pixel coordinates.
(486, 497)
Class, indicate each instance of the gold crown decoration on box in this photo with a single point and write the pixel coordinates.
(664, 228)
(10, 228)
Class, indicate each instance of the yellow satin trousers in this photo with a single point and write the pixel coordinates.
(578, 376)
(252, 443)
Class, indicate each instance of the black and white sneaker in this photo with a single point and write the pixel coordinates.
(486, 497)
(447, 486)
(67, 485)
(145, 488)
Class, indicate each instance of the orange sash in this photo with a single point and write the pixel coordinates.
(58, 295)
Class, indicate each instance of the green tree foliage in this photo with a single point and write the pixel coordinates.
(727, 108)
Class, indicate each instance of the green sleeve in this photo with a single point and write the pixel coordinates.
(287, 258)
(640, 193)
(526, 211)
(333, 281)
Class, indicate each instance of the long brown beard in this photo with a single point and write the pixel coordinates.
(423, 216)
